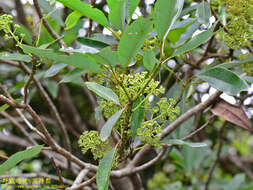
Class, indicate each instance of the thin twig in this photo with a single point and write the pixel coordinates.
(57, 170)
(28, 82)
(84, 184)
(46, 24)
(199, 129)
(211, 170)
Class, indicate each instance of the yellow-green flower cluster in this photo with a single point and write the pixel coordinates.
(148, 133)
(5, 25)
(240, 25)
(247, 67)
(132, 83)
(90, 140)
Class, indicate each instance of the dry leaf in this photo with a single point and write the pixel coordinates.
(232, 113)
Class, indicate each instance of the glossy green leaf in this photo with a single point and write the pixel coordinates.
(117, 13)
(103, 92)
(104, 169)
(20, 156)
(194, 42)
(167, 12)
(224, 80)
(106, 56)
(203, 13)
(133, 39)
(78, 60)
(237, 63)
(71, 34)
(149, 59)
(190, 144)
(72, 19)
(110, 123)
(107, 39)
(54, 69)
(92, 43)
(86, 10)
(137, 117)
(131, 5)
(15, 56)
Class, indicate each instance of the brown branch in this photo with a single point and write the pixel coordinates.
(199, 129)
(84, 184)
(28, 82)
(57, 170)
(210, 173)
(169, 129)
(3, 157)
(79, 179)
(51, 106)
(46, 24)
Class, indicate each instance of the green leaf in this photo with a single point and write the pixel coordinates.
(133, 39)
(248, 79)
(86, 10)
(72, 19)
(237, 63)
(167, 12)
(54, 69)
(149, 59)
(4, 107)
(106, 56)
(190, 144)
(117, 13)
(74, 76)
(107, 39)
(78, 60)
(104, 169)
(15, 57)
(137, 117)
(224, 80)
(203, 13)
(52, 88)
(131, 6)
(107, 128)
(92, 43)
(194, 42)
(71, 35)
(20, 156)
(103, 92)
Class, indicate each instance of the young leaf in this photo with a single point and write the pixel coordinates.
(133, 39)
(137, 117)
(190, 144)
(194, 42)
(224, 80)
(203, 13)
(102, 91)
(20, 156)
(15, 56)
(232, 113)
(54, 69)
(72, 19)
(149, 59)
(107, 128)
(86, 10)
(78, 60)
(167, 11)
(104, 169)
(117, 13)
